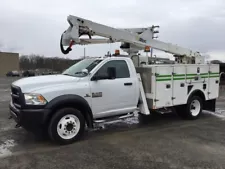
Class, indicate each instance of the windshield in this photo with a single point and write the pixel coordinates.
(76, 69)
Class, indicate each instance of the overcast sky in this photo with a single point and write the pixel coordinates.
(35, 26)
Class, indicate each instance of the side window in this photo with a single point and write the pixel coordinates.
(122, 70)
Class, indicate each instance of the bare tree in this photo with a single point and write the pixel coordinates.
(32, 62)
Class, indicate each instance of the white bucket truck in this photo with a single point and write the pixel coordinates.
(97, 90)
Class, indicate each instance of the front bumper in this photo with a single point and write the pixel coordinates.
(33, 120)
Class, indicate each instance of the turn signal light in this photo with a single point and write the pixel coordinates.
(147, 48)
(117, 52)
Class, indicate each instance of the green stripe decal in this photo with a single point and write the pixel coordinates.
(214, 76)
(163, 79)
(187, 74)
(178, 75)
(183, 77)
(163, 75)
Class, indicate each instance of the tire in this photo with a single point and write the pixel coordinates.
(66, 126)
(194, 107)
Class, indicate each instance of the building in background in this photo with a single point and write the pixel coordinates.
(8, 62)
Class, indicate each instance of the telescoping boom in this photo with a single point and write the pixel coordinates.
(133, 39)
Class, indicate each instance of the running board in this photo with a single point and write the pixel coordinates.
(114, 119)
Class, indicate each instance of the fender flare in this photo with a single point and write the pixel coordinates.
(71, 100)
(197, 92)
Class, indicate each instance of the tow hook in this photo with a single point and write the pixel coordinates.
(17, 126)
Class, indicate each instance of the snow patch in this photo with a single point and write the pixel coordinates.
(126, 121)
(5, 148)
(218, 113)
(3, 100)
(10, 126)
(133, 120)
(4, 90)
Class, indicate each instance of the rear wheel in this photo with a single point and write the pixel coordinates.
(66, 126)
(192, 110)
(194, 107)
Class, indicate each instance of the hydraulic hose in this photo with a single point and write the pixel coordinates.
(69, 48)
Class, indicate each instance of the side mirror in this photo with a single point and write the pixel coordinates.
(85, 71)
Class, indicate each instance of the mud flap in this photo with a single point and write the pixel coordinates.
(210, 105)
(143, 106)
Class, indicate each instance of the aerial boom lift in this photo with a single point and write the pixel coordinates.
(133, 39)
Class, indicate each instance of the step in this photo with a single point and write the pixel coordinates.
(114, 119)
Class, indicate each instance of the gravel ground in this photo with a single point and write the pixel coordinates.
(166, 142)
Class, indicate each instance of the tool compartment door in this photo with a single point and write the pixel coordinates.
(179, 85)
(213, 90)
(197, 78)
(196, 74)
(163, 86)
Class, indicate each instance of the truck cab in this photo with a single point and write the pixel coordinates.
(61, 105)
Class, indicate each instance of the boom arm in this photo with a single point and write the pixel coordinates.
(136, 38)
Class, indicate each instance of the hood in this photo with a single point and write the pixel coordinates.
(30, 84)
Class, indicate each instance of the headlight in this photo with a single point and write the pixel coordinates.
(34, 99)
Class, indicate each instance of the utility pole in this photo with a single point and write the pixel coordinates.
(153, 35)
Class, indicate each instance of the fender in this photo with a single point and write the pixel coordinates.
(72, 101)
(207, 104)
(197, 92)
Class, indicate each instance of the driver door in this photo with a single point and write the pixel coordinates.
(113, 96)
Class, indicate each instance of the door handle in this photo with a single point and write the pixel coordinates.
(128, 84)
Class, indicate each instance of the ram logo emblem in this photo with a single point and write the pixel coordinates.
(97, 94)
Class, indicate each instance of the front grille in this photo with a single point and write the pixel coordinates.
(16, 95)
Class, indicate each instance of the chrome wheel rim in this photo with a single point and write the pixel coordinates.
(195, 107)
(68, 126)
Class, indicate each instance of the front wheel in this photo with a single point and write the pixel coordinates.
(66, 126)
